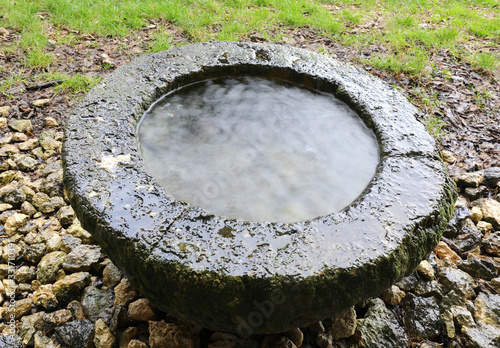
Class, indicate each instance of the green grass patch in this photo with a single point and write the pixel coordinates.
(435, 125)
(161, 42)
(486, 61)
(11, 80)
(37, 58)
(411, 29)
(412, 61)
(78, 84)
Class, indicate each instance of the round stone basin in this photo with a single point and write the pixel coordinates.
(250, 276)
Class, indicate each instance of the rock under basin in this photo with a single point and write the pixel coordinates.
(248, 276)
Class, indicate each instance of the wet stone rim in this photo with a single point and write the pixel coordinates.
(252, 277)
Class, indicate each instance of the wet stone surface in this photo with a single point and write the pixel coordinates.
(207, 262)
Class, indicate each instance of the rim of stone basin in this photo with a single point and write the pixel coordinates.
(242, 276)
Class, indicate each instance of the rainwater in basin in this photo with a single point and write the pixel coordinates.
(259, 150)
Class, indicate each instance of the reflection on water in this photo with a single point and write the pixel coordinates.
(258, 150)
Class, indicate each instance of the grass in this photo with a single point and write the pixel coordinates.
(78, 83)
(435, 125)
(485, 61)
(412, 29)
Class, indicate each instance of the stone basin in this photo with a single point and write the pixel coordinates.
(247, 276)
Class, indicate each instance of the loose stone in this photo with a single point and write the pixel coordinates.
(58, 318)
(429, 289)
(22, 307)
(34, 252)
(44, 342)
(68, 243)
(296, 336)
(38, 152)
(491, 211)
(68, 288)
(163, 335)
(448, 156)
(324, 340)
(66, 215)
(5, 206)
(6, 177)
(137, 344)
(4, 111)
(82, 258)
(469, 179)
(124, 293)
(45, 297)
(28, 191)
(15, 222)
(469, 236)
(27, 164)
(462, 317)
(77, 231)
(49, 144)
(111, 275)
(487, 309)
(46, 204)
(443, 251)
(40, 102)
(49, 265)
(491, 244)
(8, 150)
(457, 280)
(473, 193)
(95, 302)
(53, 244)
(50, 122)
(478, 267)
(103, 338)
(141, 310)
(343, 325)
(25, 274)
(495, 285)
(422, 316)
(408, 283)
(393, 296)
(11, 341)
(52, 185)
(5, 139)
(425, 270)
(19, 137)
(28, 209)
(482, 336)
(317, 327)
(492, 176)
(380, 328)
(128, 334)
(452, 298)
(29, 325)
(76, 334)
(484, 227)
(21, 125)
(277, 342)
(11, 252)
(13, 195)
(28, 145)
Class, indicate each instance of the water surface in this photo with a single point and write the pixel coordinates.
(256, 149)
